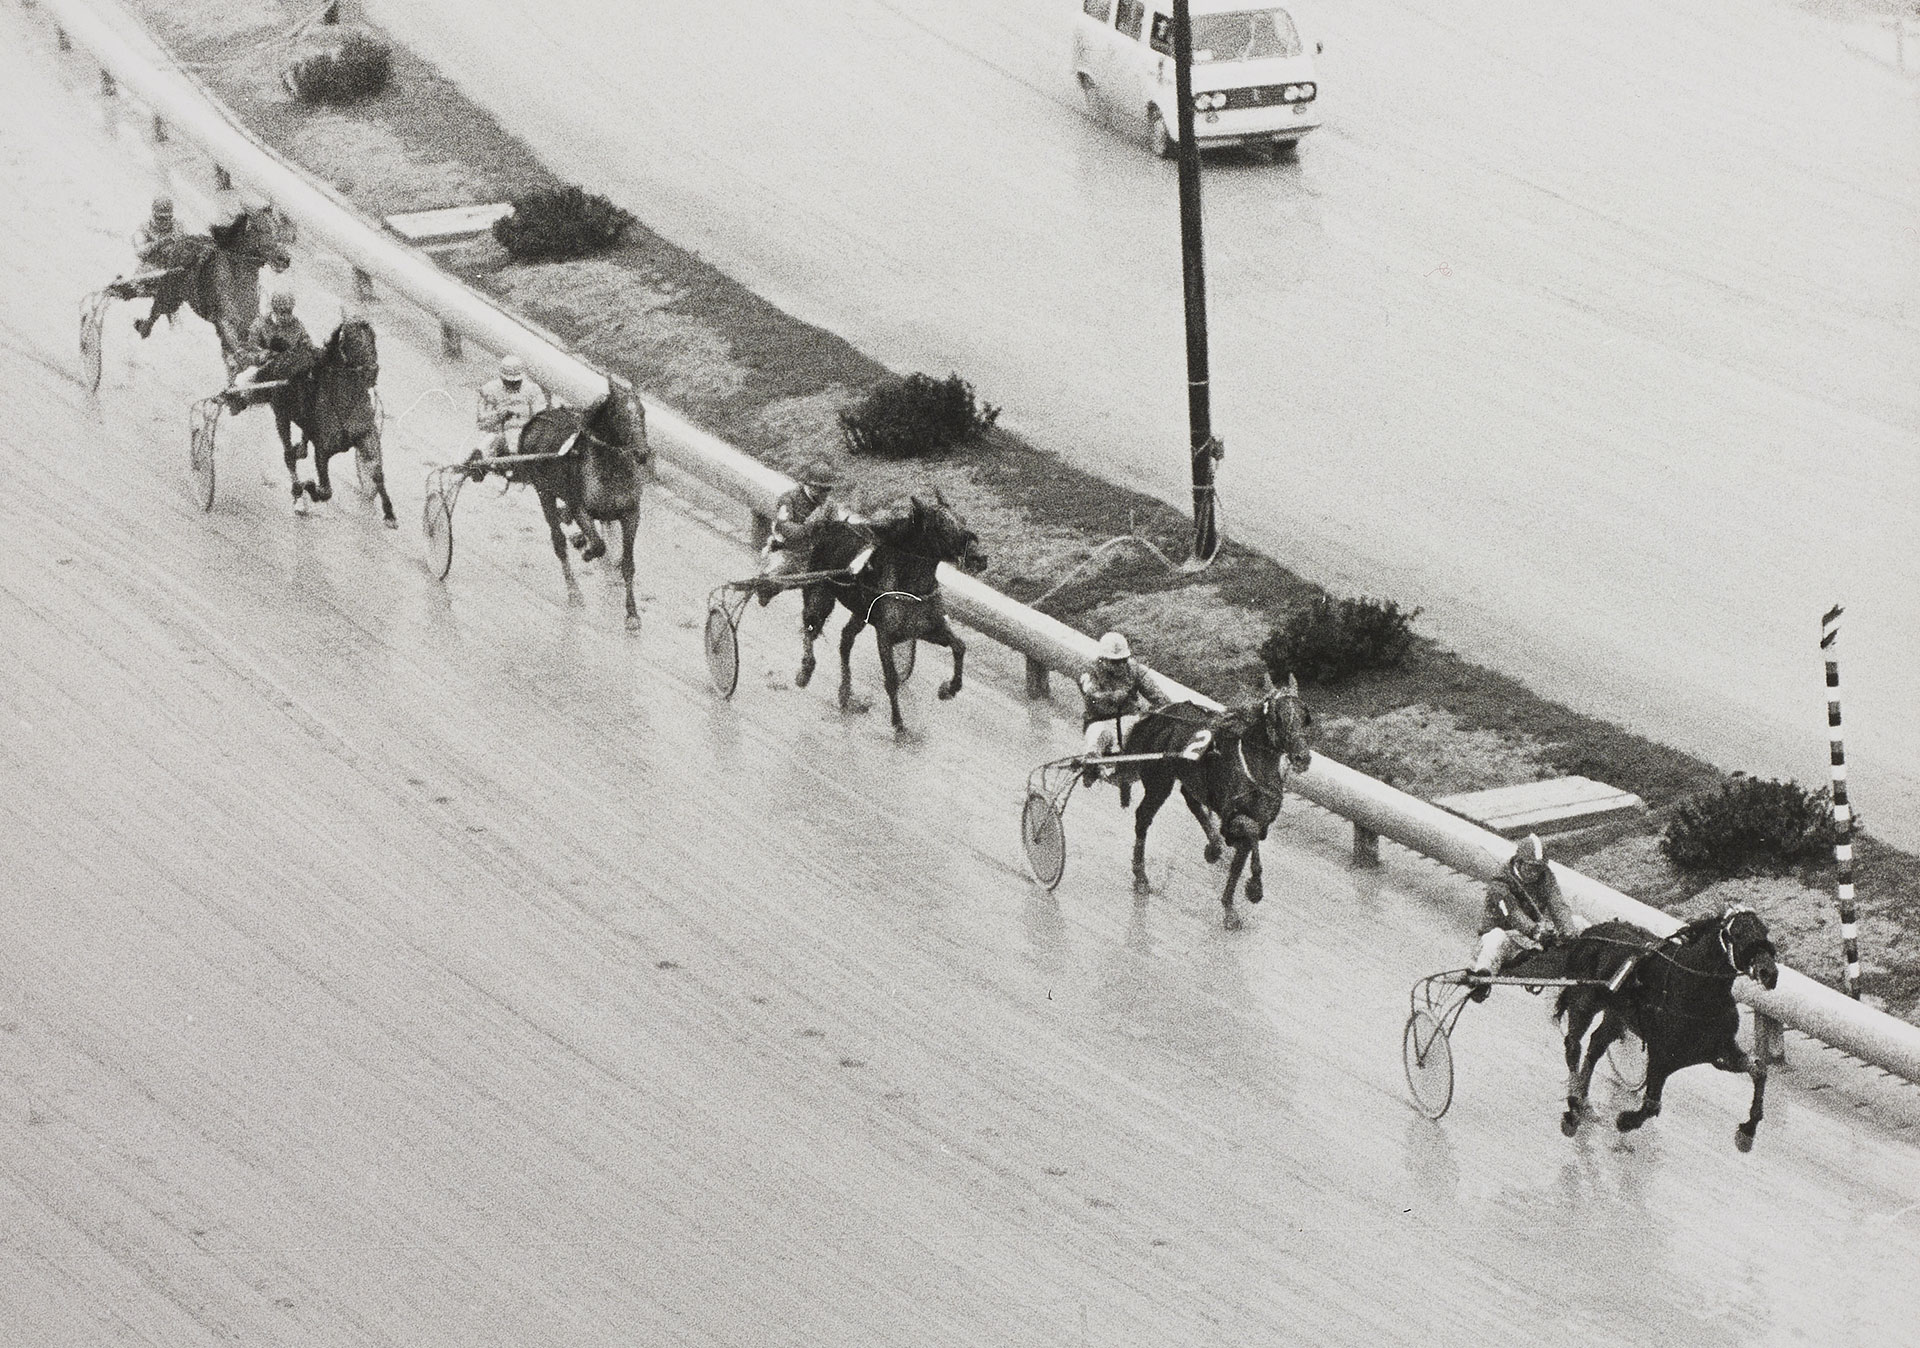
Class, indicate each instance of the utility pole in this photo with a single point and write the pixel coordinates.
(1202, 447)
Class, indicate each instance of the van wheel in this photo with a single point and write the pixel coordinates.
(1090, 95)
(1159, 139)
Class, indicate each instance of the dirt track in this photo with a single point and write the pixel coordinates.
(391, 962)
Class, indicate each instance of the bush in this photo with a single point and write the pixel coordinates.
(1749, 826)
(339, 65)
(1332, 640)
(913, 417)
(559, 225)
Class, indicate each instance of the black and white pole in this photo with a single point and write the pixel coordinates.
(1842, 809)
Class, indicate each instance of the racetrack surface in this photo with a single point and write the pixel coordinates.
(1593, 332)
(393, 962)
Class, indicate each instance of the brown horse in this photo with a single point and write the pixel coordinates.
(329, 395)
(897, 591)
(1239, 777)
(218, 275)
(603, 465)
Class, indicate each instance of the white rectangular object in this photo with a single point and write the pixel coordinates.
(449, 222)
(1543, 807)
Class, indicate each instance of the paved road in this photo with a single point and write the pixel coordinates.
(389, 962)
(1595, 335)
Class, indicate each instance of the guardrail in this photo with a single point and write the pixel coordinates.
(1376, 809)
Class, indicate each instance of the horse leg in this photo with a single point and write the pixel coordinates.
(322, 486)
(551, 509)
(816, 606)
(629, 526)
(1658, 1069)
(890, 674)
(1157, 784)
(848, 702)
(369, 451)
(1743, 1135)
(1216, 845)
(1241, 847)
(1256, 881)
(943, 635)
(1579, 1070)
(292, 461)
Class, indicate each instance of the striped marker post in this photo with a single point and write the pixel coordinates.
(1842, 810)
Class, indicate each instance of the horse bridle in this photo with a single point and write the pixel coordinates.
(1725, 936)
(1285, 767)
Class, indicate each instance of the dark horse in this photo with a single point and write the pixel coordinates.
(1676, 994)
(1239, 777)
(898, 591)
(218, 274)
(604, 466)
(329, 395)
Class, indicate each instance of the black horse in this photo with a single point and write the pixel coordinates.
(1238, 778)
(897, 591)
(218, 274)
(603, 466)
(1676, 994)
(329, 394)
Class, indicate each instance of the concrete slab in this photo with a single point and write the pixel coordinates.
(449, 222)
(1552, 806)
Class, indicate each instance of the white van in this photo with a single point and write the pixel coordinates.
(1253, 79)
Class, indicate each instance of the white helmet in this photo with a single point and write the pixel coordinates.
(1113, 646)
(1530, 858)
(513, 369)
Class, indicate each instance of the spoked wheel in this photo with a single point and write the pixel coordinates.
(1428, 1055)
(1044, 837)
(723, 650)
(903, 657)
(205, 417)
(436, 519)
(93, 317)
(1627, 1061)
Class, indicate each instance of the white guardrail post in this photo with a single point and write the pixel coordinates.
(1376, 809)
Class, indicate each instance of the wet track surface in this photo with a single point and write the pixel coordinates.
(1592, 333)
(397, 962)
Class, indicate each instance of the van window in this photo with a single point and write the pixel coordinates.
(1131, 12)
(1248, 35)
(1101, 10)
(1161, 36)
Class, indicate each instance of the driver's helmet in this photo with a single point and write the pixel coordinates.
(1529, 864)
(282, 303)
(163, 211)
(512, 369)
(820, 475)
(1113, 646)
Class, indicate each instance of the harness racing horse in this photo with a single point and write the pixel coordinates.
(897, 592)
(218, 274)
(1239, 778)
(1676, 994)
(604, 466)
(329, 395)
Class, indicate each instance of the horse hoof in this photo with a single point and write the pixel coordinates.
(300, 503)
(1255, 891)
(594, 553)
(1742, 1140)
(1569, 1124)
(948, 690)
(805, 675)
(902, 735)
(633, 622)
(1627, 1121)
(391, 522)
(858, 706)
(1140, 885)
(579, 541)
(1232, 921)
(1212, 853)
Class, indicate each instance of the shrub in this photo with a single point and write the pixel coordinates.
(1332, 640)
(559, 225)
(1749, 826)
(339, 65)
(913, 417)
